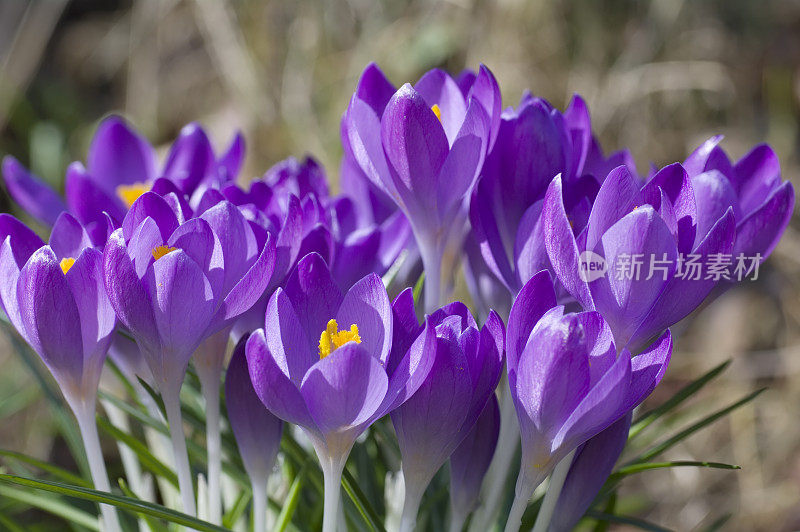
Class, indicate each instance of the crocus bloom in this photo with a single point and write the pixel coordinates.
(120, 166)
(257, 431)
(762, 204)
(54, 296)
(656, 223)
(423, 146)
(324, 362)
(469, 463)
(568, 382)
(158, 266)
(467, 362)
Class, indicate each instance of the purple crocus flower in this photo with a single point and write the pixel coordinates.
(120, 166)
(423, 146)
(762, 204)
(657, 223)
(157, 266)
(467, 362)
(469, 463)
(324, 361)
(568, 382)
(257, 431)
(54, 296)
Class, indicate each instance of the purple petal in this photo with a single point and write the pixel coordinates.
(272, 386)
(577, 119)
(257, 431)
(118, 155)
(289, 345)
(485, 89)
(313, 293)
(239, 246)
(128, 296)
(231, 161)
(760, 231)
(374, 89)
(33, 195)
(51, 319)
(252, 285)
(68, 237)
(561, 246)
(190, 159)
(755, 176)
(471, 459)
(714, 194)
(87, 200)
(141, 245)
(696, 162)
(367, 306)
(647, 370)
(361, 137)
(23, 241)
(150, 205)
(618, 195)
(405, 327)
(412, 369)
(536, 297)
(438, 88)
(344, 389)
(624, 296)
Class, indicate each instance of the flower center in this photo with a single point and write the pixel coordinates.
(160, 251)
(332, 338)
(130, 193)
(66, 264)
(437, 112)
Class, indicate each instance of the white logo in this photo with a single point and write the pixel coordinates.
(591, 266)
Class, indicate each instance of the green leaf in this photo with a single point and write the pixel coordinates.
(146, 458)
(663, 446)
(126, 503)
(235, 513)
(626, 520)
(673, 402)
(154, 395)
(360, 501)
(51, 505)
(152, 524)
(638, 468)
(56, 471)
(9, 524)
(418, 289)
(290, 504)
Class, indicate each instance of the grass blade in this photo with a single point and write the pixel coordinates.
(146, 458)
(673, 402)
(292, 499)
(126, 503)
(61, 474)
(641, 524)
(53, 506)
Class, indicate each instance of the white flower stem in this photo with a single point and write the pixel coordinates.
(259, 506)
(209, 382)
(432, 266)
(413, 498)
(457, 519)
(172, 404)
(332, 474)
(97, 467)
(553, 491)
(500, 467)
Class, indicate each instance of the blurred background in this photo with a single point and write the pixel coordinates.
(659, 76)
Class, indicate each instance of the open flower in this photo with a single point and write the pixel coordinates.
(654, 225)
(568, 381)
(173, 283)
(762, 204)
(55, 297)
(324, 362)
(423, 146)
(467, 362)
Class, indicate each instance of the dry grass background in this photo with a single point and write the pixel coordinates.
(660, 77)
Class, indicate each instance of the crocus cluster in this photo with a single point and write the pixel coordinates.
(576, 267)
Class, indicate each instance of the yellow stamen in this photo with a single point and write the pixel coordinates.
(130, 193)
(332, 338)
(66, 264)
(437, 112)
(160, 251)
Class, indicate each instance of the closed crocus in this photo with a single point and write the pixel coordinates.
(54, 296)
(568, 383)
(324, 361)
(653, 226)
(257, 431)
(120, 166)
(467, 362)
(469, 463)
(762, 204)
(173, 283)
(423, 146)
